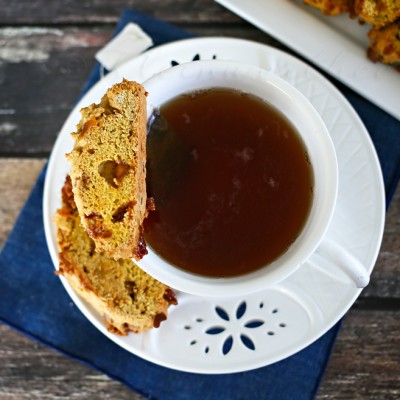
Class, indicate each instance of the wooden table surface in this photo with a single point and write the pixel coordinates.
(46, 54)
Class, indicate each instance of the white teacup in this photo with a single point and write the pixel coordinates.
(199, 75)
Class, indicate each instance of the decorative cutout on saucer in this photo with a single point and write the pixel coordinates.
(222, 330)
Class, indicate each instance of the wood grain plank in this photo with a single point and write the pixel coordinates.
(42, 71)
(103, 11)
(385, 278)
(17, 176)
(32, 371)
(365, 364)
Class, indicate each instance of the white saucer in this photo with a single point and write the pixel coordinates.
(237, 334)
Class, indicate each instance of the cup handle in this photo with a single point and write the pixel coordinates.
(343, 259)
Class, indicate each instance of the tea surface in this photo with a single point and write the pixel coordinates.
(232, 183)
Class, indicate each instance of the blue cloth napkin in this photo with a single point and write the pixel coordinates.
(34, 302)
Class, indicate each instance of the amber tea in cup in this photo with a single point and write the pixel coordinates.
(232, 183)
(236, 210)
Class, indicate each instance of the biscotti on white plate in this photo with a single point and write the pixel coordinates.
(127, 297)
(108, 170)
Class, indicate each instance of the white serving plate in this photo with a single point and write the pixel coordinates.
(214, 335)
(337, 44)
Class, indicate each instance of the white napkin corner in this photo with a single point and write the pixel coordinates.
(129, 43)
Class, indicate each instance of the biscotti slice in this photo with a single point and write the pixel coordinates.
(127, 297)
(108, 170)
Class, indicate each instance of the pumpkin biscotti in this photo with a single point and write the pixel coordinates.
(127, 297)
(108, 170)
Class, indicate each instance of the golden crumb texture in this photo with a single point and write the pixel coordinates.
(385, 44)
(127, 297)
(378, 13)
(108, 170)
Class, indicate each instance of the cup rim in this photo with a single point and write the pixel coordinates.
(277, 271)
